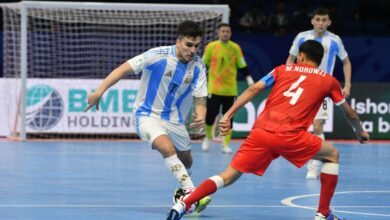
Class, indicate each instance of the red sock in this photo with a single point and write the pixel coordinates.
(328, 186)
(206, 188)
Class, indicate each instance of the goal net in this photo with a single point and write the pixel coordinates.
(56, 53)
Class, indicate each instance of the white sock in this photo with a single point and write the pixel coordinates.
(179, 171)
(330, 168)
(322, 136)
(217, 180)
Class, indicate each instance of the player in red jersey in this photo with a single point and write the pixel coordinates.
(281, 129)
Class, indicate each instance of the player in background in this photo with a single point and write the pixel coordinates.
(222, 57)
(333, 46)
(172, 77)
(281, 129)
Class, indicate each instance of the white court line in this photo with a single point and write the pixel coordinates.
(135, 206)
(289, 202)
(167, 206)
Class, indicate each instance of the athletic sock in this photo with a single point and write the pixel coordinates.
(322, 136)
(179, 171)
(209, 131)
(227, 138)
(329, 178)
(207, 187)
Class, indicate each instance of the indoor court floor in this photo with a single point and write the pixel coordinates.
(71, 180)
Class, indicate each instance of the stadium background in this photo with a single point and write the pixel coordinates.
(364, 27)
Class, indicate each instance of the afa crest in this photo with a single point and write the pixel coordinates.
(188, 79)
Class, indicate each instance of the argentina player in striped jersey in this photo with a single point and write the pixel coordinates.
(333, 46)
(172, 78)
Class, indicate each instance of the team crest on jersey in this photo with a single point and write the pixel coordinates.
(187, 79)
(168, 74)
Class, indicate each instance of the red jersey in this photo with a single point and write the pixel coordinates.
(297, 94)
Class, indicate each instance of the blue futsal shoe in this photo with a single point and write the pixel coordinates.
(176, 212)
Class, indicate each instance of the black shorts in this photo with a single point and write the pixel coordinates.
(214, 104)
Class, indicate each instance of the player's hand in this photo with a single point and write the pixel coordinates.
(346, 91)
(363, 137)
(224, 126)
(198, 123)
(93, 100)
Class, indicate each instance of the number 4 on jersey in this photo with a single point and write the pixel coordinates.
(295, 95)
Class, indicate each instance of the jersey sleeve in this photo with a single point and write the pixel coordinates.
(241, 63)
(199, 88)
(295, 47)
(342, 53)
(336, 94)
(269, 79)
(139, 62)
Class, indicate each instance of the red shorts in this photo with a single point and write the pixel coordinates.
(261, 147)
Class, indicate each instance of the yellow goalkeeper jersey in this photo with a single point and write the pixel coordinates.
(223, 60)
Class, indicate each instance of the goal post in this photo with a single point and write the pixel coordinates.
(55, 53)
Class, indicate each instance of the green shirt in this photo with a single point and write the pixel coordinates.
(223, 60)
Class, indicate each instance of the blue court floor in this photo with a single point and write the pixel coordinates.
(127, 180)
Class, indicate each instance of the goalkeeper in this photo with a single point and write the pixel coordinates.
(222, 57)
(172, 77)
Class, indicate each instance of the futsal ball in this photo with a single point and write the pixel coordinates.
(182, 193)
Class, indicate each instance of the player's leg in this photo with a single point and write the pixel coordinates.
(329, 155)
(178, 169)
(213, 104)
(314, 166)
(227, 102)
(299, 148)
(206, 188)
(253, 156)
(181, 140)
(154, 131)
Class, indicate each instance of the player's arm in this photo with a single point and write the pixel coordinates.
(245, 97)
(354, 120)
(248, 76)
(199, 118)
(293, 52)
(207, 55)
(241, 64)
(111, 79)
(347, 67)
(200, 94)
(350, 114)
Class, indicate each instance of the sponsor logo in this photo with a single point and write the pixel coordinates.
(44, 107)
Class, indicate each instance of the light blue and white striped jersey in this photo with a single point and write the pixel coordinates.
(332, 46)
(167, 86)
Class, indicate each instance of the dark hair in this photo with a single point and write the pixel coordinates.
(189, 29)
(223, 25)
(313, 50)
(321, 11)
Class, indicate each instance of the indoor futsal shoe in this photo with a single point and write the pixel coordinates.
(206, 144)
(176, 212)
(202, 204)
(331, 216)
(227, 150)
